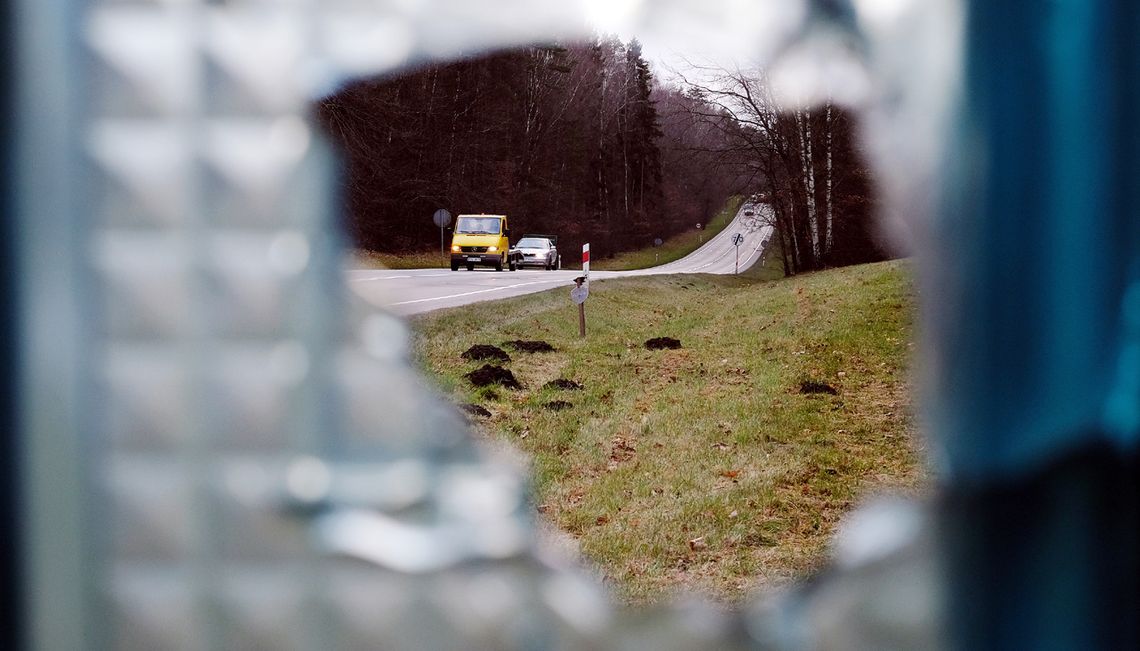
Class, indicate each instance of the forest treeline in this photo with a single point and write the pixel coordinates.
(579, 140)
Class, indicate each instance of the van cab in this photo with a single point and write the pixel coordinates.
(482, 240)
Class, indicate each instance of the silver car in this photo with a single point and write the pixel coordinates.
(538, 252)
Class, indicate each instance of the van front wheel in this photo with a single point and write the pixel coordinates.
(499, 264)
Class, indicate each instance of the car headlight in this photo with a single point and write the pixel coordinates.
(455, 248)
(492, 249)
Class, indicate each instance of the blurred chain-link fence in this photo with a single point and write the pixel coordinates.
(218, 449)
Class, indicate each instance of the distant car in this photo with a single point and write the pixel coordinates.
(538, 252)
(749, 212)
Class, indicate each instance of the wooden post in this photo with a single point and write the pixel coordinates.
(578, 295)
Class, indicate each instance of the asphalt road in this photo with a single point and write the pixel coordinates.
(412, 291)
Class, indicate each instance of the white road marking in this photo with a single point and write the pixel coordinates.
(370, 278)
(479, 291)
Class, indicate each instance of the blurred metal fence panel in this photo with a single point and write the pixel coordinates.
(219, 451)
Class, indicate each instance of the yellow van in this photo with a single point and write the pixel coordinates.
(482, 240)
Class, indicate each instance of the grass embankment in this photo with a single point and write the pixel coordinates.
(717, 467)
(364, 259)
(672, 249)
(675, 247)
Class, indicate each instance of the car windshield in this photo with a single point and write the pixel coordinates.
(478, 225)
(533, 243)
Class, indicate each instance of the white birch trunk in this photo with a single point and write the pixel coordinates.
(829, 225)
(804, 128)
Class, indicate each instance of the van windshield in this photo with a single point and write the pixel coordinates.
(478, 225)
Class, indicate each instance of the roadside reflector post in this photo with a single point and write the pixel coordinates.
(582, 290)
(578, 295)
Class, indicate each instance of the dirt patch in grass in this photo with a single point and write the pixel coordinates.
(530, 346)
(563, 384)
(558, 405)
(484, 352)
(621, 451)
(811, 386)
(475, 410)
(662, 343)
(487, 375)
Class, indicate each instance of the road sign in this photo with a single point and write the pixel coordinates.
(657, 242)
(737, 239)
(579, 294)
(442, 218)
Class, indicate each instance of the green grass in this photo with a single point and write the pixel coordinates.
(364, 259)
(704, 468)
(673, 248)
(770, 266)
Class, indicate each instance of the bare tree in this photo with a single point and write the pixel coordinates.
(798, 159)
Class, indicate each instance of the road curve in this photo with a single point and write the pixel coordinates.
(412, 291)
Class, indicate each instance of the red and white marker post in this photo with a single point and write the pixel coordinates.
(582, 290)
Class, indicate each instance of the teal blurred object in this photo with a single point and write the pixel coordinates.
(1036, 312)
(1035, 318)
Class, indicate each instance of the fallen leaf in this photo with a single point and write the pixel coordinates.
(602, 519)
(734, 514)
(698, 544)
(731, 474)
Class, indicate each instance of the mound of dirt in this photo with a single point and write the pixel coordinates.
(475, 410)
(487, 375)
(530, 346)
(661, 343)
(558, 405)
(563, 384)
(810, 386)
(482, 352)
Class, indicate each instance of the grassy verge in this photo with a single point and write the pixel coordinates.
(364, 259)
(770, 266)
(673, 248)
(708, 467)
